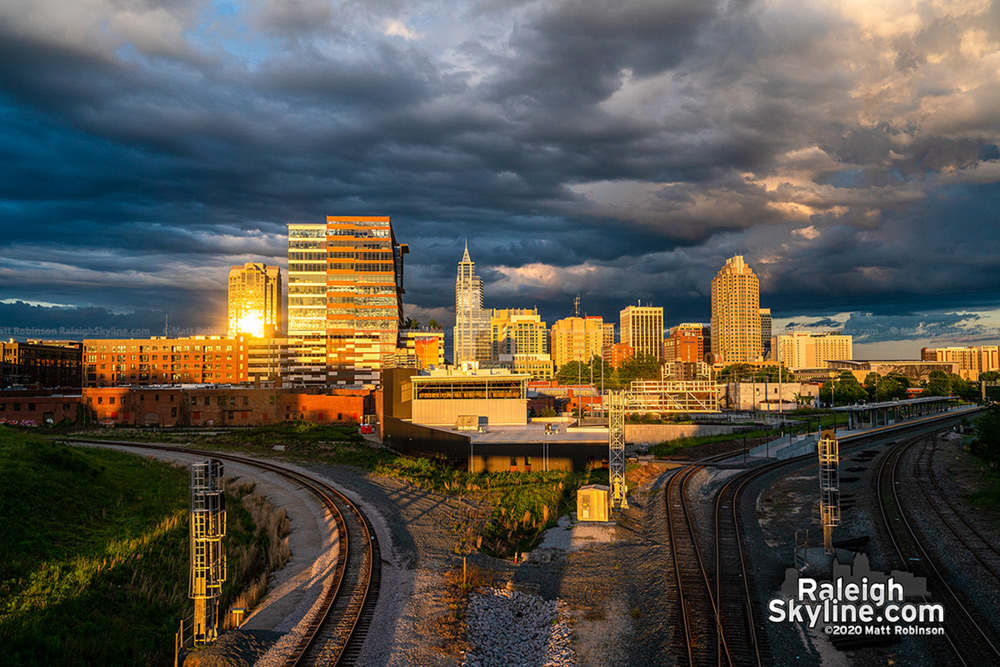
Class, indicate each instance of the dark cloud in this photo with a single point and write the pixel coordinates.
(621, 151)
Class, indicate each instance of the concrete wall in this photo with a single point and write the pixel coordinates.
(651, 434)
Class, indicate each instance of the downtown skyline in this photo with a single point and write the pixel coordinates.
(848, 152)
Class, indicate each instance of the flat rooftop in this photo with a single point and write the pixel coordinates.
(535, 433)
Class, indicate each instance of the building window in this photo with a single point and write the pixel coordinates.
(173, 411)
(100, 400)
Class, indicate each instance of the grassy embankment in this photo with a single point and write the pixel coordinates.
(515, 508)
(94, 555)
(796, 421)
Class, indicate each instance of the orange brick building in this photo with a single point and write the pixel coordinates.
(223, 405)
(159, 360)
(37, 407)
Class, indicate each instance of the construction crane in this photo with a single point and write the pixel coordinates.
(644, 396)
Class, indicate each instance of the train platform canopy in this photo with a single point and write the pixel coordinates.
(861, 407)
(884, 413)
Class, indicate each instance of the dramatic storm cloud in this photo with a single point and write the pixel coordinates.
(620, 150)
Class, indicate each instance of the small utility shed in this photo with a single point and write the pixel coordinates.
(592, 502)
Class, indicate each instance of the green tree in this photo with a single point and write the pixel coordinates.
(888, 389)
(433, 324)
(573, 372)
(987, 428)
(845, 391)
(770, 374)
(737, 373)
(639, 367)
(871, 384)
(938, 384)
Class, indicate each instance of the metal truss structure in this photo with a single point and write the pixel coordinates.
(829, 486)
(646, 396)
(208, 554)
(675, 396)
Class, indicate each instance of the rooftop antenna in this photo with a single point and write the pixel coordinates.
(576, 305)
(166, 326)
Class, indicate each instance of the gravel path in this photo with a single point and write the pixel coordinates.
(271, 630)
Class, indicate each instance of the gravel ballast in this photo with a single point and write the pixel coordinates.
(511, 628)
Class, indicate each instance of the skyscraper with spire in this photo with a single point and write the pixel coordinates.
(472, 322)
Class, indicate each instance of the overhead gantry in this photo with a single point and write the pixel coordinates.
(659, 397)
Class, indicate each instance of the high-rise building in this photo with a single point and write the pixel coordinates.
(345, 300)
(577, 339)
(642, 329)
(971, 360)
(609, 334)
(472, 321)
(765, 332)
(686, 343)
(518, 331)
(803, 349)
(736, 314)
(255, 299)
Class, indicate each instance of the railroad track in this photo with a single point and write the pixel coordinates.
(719, 610)
(965, 533)
(337, 630)
(744, 630)
(969, 640)
(695, 611)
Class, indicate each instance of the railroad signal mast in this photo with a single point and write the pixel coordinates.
(829, 486)
(208, 554)
(659, 397)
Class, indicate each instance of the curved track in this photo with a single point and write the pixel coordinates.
(969, 641)
(720, 620)
(335, 633)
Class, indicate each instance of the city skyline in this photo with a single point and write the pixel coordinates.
(848, 152)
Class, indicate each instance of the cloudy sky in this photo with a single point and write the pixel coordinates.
(622, 150)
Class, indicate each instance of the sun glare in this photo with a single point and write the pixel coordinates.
(251, 323)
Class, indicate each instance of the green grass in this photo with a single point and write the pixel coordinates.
(517, 507)
(93, 555)
(988, 496)
(340, 445)
(671, 447)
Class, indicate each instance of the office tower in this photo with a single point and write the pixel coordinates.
(686, 343)
(803, 349)
(345, 300)
(255, 300)
(971, 360)
(765, 332)
(577, 339)
(520, 341)
(609, 335)
(472, 321)
(735, 314)
(518, 331)
(642, 329)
